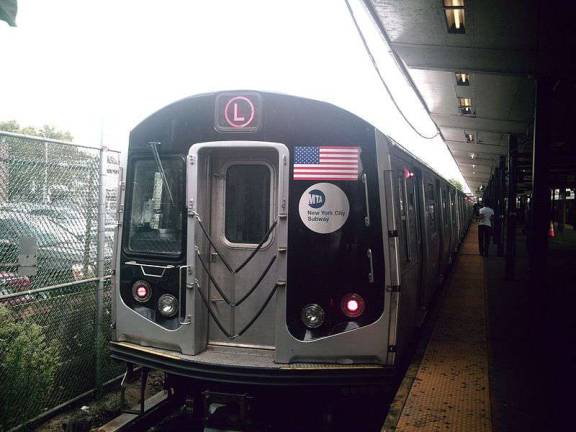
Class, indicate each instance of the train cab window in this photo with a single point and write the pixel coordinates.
(247, 211)
(156, 207)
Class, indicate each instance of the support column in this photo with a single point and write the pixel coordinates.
(562, 210)
(511, 214)
(501, 192)
(540, 203)
(100, 272)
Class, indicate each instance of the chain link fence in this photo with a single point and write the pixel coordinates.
(57, 221)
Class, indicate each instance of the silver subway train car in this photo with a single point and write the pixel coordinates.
(275, 240)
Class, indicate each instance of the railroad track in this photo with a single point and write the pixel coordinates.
(157, 409)
(249, 409)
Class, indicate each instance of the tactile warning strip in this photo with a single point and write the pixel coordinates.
(451, 389)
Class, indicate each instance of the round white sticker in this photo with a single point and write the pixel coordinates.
(324, 208)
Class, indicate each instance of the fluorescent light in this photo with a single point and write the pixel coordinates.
(465, 105)
(462, 78)
(455, 19)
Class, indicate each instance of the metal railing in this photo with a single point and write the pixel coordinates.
(57, 224)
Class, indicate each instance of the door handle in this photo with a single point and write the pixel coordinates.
(188, 319)
(143, 266)
(371, 274)
(367, 217)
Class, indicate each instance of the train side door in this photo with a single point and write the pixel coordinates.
(241, 194)
(432, 237)
(455, 222)
(409, 241)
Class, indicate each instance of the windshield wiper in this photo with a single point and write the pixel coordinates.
(154, 145)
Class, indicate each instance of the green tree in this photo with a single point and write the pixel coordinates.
(8, 11)
(46, 131)
(10, 126)
(34, 169)
(456, 184)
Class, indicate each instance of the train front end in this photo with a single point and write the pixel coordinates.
(251, 246)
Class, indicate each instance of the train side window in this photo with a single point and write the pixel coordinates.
(412, 217)
(445, 206)
(403, 220)
(247, 203)
(431, 207)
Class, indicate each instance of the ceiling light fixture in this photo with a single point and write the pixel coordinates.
(462, 79)
(455, 19)
(465, 105)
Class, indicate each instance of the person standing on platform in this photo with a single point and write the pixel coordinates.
(485, 215)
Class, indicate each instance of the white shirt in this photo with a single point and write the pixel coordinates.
(485, 214)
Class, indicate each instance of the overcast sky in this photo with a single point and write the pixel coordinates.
(104, 65)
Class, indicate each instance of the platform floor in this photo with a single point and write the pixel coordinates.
(450, 390)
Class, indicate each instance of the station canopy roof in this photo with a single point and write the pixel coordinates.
(473, 63)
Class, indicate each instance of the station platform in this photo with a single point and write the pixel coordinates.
(449, 390)
(497, 353)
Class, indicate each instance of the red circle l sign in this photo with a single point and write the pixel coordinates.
(239, 112)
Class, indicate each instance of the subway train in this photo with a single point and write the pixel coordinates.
(267, 239)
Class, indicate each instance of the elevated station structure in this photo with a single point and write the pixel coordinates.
(497, 79)
(473, 63)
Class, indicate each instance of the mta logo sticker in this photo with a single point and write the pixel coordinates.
(324, 208)
(316, 198)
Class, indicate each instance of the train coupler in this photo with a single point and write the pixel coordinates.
(227, 411)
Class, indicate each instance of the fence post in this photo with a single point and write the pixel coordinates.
(99, 342)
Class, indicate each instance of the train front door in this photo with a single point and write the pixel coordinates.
(241, 195)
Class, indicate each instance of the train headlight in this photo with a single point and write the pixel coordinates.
(141, 291)
(313, 315)
(167, 305)
(352, 305)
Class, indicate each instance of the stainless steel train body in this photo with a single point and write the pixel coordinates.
(271, 239)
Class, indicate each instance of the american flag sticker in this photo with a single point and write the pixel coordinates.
(326, 163)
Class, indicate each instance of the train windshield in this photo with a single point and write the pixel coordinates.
(156, 206)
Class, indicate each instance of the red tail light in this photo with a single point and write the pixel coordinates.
(352, 305)
(141, 291)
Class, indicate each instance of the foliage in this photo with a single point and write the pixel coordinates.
(28, 364)
(8, 11)
(45, 131)
(456, 184)
(39, 171)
